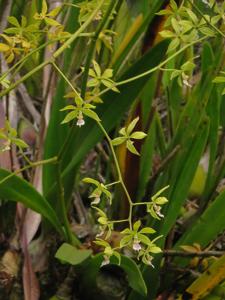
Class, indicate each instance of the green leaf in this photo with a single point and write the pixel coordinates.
(71, 255)
(131, 147)
(70, 116)
(173, 45)
(131, 126)
(219, 79)
(18, 190)
(90, 180)
(91, 114)
(126, 231)
(118, 141)
(125, 240)
(97, 68)
(55, 11)
(138, 135)
(4, 47)
(173, 5)
(79, 101)
(68, 107)
(161, 200)
(213, 219)
(147, 230)
(207, 31)
(108, 73)
(175, 74)
(192, 15)
(44, 7)
(102, 220)
(131, 269)
(13, 21)
(19, 143)
(188, 66)
(137, 225)
(155, 249)
(144, 239)
(102, 243)
(51, 22)
(167, 34)
(134, 275)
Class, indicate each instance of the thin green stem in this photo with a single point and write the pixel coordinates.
(118, 172)
(66, 79)
(131, 79)
(92, 48)
(119, 221)
(66, 223)
(112, 183)
(130, 215)
(86, 69)
(24, 156)
(87, 34)
(112, 150)
(168, 70)
(31, 165)
(140, 203)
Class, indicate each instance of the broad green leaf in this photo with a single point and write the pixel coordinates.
(55, 11)
(91, 114)
(118, 141)
(132, 125)
(137, 225)
(71, 255)
(138, 135)
(4, 47)
(51, 22)
(167, 34)
(18, 190)
(131, 148)
(13, 21)
(44, 9)
(147, 230)
(90, 180)
(208, 280)
(70, 116)
(125, 240)
(219, 79)
(155, 249)
(213, 219)
(132, 271)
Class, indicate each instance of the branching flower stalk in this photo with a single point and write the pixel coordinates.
(183, 34)
(153, 207)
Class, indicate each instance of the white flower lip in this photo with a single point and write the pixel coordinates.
(106, 261)
(136, 245)
(149, 261)
(80, 122)
(158, 210)
(96, 200)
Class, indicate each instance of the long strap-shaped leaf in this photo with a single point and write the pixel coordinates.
(208, 226)
(18, 190)
(208, 280)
